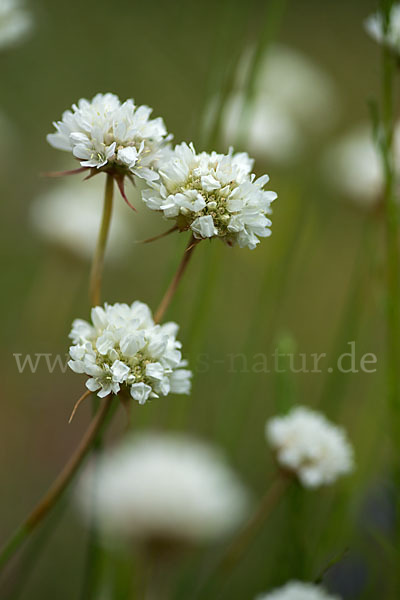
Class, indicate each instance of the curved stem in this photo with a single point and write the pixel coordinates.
(66, 475)
(231, 556)
(169, 294)
(262, 512)
(98, 259)
(58, 487)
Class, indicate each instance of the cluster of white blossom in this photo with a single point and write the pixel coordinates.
(15, 22)
(105, 133)
(158, 487)
(297, 590)
(390, 35)
(307, 444)
(214, 195)
(123, 347)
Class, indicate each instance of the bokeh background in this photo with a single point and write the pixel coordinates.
(314, 286)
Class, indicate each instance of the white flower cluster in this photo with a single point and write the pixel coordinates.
(215, 195)
(375, 27)
(103, 133)
(297, 590)
(124, 348)
(306, 443)
(15, 22)
(159, 487)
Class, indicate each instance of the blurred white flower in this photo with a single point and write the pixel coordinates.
(352, 165)
(269, 131)
(374, 26)
(103, 133)
(309, 445)
(123, 348)
(15, 22)
(164, 487)
(69, 215)
(215, 195)
(292, 99)
(297, 590)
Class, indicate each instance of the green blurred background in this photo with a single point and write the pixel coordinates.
(316, 285)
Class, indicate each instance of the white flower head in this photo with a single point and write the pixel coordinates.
(310, 446)
(15, 22)
(390, 35)
(123, 348)
(164, 487)
(297, 590)
(69, 215)
(104, 133)
(214, 195)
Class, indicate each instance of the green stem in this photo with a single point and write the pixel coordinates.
(56, 490)
(158, 575)
(392, 248)
(392, 262)
(268, 502)
(169, 294)
(90, 437)
(98, 259)
(232, 555)
(91, 572)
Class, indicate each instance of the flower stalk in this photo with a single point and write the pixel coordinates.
(56, 490)
(169, 294)
(391, 216)
(392, 249)
(234, 552)
(67, 474)
(269, 501)
(98, 259)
